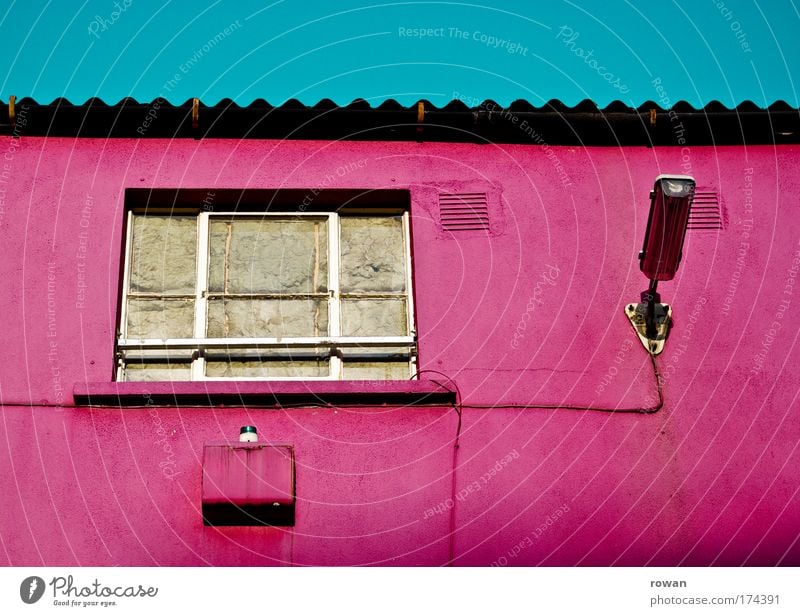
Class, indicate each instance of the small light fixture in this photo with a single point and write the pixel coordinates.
(248, 434)
(670, 202)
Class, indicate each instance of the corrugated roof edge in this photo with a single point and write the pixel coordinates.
(553, 123)
(360, 103)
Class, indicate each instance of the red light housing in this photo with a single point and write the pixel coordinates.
(670, 202)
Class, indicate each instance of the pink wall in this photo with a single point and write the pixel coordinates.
(710, 479)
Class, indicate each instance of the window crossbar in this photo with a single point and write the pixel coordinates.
(245, 343)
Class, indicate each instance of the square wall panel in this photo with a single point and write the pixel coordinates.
(248, 484)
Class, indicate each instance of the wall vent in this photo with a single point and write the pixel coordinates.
(706, 212)
(464, 211)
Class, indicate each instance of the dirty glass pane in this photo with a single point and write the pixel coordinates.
(267, 368)
(268, 255)
(374, 317)
(157, 372)
(263, 353)
(163, 254)
(374, 353)
(160, 318)
(175, 356)
(267, 318)
(373, 254)
(378, 370)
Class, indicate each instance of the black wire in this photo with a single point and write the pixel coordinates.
(456, 444)
(573, 407)
(646, 410)
(458, 406)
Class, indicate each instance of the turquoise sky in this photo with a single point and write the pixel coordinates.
(700, 50)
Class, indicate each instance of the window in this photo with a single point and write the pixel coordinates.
(248, 296)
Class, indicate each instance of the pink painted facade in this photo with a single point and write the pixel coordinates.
(531, 313)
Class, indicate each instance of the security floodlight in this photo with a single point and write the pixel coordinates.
(670, 202)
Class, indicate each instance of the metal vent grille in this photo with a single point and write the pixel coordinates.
(464, 212)
(706, 213)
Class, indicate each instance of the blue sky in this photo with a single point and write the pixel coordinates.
(696, 50)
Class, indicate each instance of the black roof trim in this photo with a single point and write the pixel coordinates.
(553, 123)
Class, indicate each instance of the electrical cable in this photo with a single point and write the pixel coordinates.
(459, 406)
(456, 444)
(574, 407)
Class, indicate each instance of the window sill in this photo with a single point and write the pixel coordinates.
(262, 393)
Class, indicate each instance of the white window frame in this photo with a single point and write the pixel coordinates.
(334, 341)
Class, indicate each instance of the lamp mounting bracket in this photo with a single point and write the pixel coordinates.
(652, 340)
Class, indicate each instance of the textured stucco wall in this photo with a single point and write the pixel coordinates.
(529, 313)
